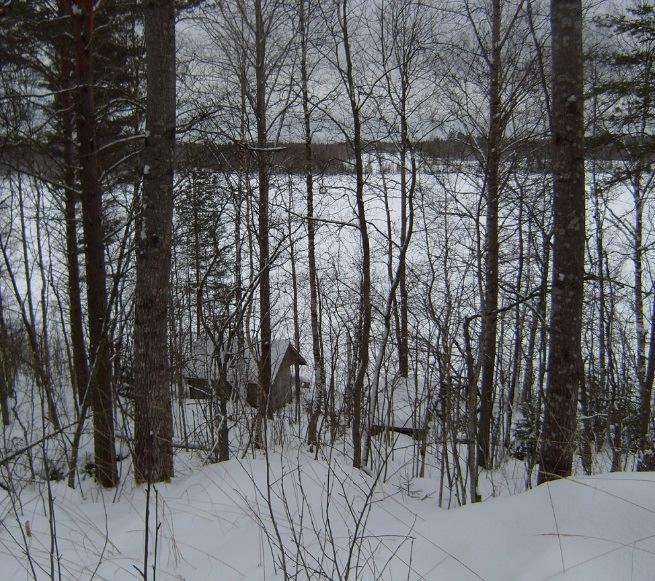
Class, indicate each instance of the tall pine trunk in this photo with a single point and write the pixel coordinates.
(82, 17)
(65, 98)
(564, 365)
(153, 421)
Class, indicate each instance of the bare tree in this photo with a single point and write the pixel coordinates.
(490, 302)
(364, 330)
(317, 342)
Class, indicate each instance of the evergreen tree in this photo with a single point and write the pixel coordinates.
(631, 101)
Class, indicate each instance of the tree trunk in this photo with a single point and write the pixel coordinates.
(638, 294)
(600, 390)
(559, 429)
(82, 16)
(295, 309)
(153, 421)
(518, 337)
(263, 161)
(648, 383)
(365, 289)
(403, 331)
(80, 363)
(490, 305)
(317, 346)
(6, 373)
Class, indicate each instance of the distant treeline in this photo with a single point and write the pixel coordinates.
(330, 158)
(335, 158)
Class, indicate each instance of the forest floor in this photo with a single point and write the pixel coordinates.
(229, 521)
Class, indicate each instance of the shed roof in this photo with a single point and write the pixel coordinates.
(407, 408)
(202, 361)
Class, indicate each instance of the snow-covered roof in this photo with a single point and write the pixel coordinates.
(406, 407)
(202, 362)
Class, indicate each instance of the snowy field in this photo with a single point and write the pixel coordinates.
(229, 522)
(297, 517)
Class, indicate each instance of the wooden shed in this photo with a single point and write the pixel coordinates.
(403, 413)
(203, 379)
(284, 358)
(201, 372)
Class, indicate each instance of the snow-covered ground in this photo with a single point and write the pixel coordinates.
(226, 521)
(252, 519)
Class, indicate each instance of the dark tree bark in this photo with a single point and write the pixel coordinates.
(196, 253)
(365, 288)
(242, 191)
(317, 344)
(559, 428)
(646, 396)
(518, 335)
(263, 163)
(6, 373)
(405, 39)
(82, 17)
(403, 327)
(80, 375)
(65, 98)
(490, 305)
(153, 422)
(645, 390)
